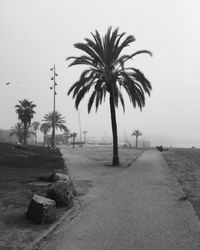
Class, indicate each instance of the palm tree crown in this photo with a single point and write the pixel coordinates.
(25, 111)
(136, 133)
(35, 125)
(106, 73)
(48, 122)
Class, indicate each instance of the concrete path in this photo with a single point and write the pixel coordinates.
(136, 208)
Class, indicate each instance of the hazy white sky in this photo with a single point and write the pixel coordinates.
(36, 34)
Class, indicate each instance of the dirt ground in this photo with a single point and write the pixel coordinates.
(185, 165)
(18, 168)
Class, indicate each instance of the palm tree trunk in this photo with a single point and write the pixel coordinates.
(114, 131)
(53, 131)
(44, 139)
(25, 133)
(73, 141)
(53, 138)
(136, 141)
(35, 137)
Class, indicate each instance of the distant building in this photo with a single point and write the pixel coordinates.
(60, 139)
(144, 144)
(4, 136)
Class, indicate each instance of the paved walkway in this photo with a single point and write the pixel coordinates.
(137, 208)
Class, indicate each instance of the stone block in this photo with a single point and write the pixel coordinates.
(41, 210)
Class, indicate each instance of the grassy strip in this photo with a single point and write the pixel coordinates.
(18, 168)
(185, 165)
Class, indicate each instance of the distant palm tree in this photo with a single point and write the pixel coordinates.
(35, 126)
(107, 73)
(18, 131)
(44, 130)
(73, 135)
(48, 123)
(136, 133)
(25, 111)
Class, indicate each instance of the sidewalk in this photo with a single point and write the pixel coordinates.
(137, 208)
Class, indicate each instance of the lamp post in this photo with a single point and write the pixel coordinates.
(79, 119)
(54, 104)
(84, 132)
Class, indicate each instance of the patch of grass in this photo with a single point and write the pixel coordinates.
(19, 167)
(185, 165)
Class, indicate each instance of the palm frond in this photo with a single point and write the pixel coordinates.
(91, 100)
(125, 43)
(81, 93)
(61, 127)
(48, 122)
(125, 58)
(88, 50)
(81, 60)
(98, 41)
(81, 82)
(140, 77)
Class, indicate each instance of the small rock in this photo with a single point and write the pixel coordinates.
(41, 210)
(61, 192)
(59, 175)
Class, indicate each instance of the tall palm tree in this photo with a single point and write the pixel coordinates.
(106, 73)
(35, 126)
(25, 111)
(136, 133)
(48, 123)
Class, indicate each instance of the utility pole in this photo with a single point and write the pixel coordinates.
(79, 119)
(54, 105)
(85, 132)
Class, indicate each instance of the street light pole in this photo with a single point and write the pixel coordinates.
(85, 132)
(79, 119)
(54, 105)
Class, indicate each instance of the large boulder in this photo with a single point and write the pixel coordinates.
(41, 210)
(61, 192)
